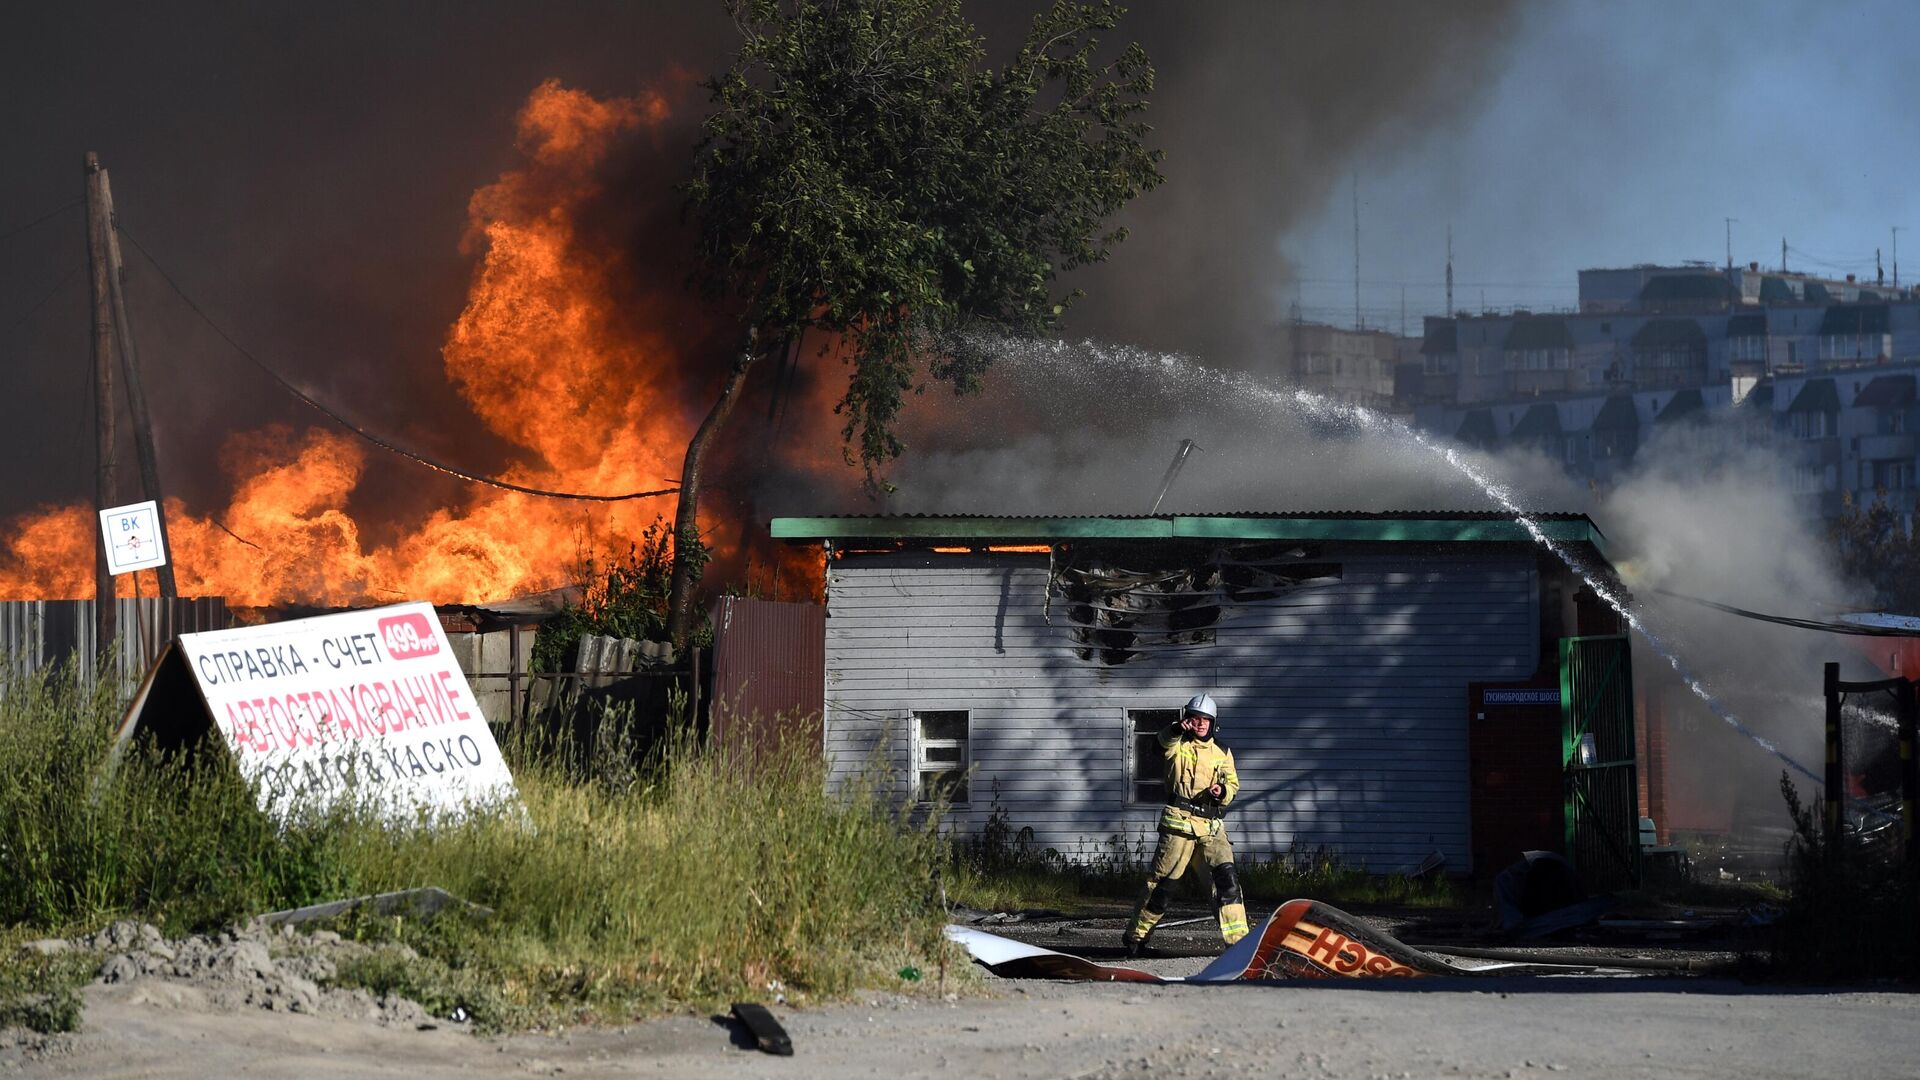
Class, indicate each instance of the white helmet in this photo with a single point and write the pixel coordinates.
(1203, 704)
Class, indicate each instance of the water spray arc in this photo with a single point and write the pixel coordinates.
(1308, 405)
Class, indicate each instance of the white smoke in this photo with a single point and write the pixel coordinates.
(1090, 428)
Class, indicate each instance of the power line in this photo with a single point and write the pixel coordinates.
(356, 429)
(1422, 283)
(43, 218)
(1822, 625)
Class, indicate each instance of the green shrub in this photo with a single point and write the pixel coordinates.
(42, 993)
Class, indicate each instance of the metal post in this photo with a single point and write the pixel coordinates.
(99, 224)
(1836, 792)
(1909, 768)
(1187, 447)
(695, 697)
(513, 677)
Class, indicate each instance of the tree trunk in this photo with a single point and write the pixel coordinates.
(689, 557)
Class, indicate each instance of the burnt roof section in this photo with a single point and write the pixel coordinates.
(1476, 428)
(1846, 320)
(1538, 332)
(1617, 414)
(1686, 288)
(1747, 324)
(1886, 392)
(1819, 395)
(1442, 336)
(1662, 333)
(1682, 405)
(1542, 421)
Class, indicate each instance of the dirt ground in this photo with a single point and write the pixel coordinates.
(1586, 1025)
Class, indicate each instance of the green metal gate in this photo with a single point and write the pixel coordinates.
(1602, 811)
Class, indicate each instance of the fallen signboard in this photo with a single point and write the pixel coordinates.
(359, 708)
(1303, 939)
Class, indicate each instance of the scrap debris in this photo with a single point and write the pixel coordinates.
(768, 1035)
(1303, 939)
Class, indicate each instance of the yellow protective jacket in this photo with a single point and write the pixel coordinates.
(1193, 767)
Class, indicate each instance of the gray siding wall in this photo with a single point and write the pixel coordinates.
(1345, 705)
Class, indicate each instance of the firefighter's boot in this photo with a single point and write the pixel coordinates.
(1229, 903)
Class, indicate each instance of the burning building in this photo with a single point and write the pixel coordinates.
(1392, 685)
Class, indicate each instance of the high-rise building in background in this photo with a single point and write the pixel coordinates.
(1823, 369)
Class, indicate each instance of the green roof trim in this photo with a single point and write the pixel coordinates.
(1457, 528)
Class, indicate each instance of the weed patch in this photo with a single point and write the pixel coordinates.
(42, 993)
(624, 883)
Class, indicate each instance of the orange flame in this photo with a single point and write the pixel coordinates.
(554, 351)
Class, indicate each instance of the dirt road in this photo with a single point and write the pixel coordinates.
(1520, 1026)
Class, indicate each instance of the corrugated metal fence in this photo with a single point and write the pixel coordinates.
(769, 670)
(35, 634)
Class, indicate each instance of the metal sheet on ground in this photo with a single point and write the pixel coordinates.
(1302, 939)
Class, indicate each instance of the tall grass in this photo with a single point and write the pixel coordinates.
(625, 883)
(1002, 869)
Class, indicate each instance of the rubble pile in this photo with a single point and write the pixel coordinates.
(251, 966)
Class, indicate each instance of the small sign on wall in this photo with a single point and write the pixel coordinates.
(1521, 697)
(132, 536)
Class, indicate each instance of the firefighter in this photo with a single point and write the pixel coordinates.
(1201, 783)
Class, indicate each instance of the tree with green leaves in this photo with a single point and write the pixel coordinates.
(867, 176)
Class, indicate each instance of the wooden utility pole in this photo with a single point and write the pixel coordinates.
(136, 393)
(99, 227)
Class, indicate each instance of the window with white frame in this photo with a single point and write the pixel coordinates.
(940, 755)
(1146, 764)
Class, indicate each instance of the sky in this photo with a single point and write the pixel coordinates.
(1624, 133)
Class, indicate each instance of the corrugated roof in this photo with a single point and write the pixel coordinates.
(1617, 414)
(1417, 526)
(1538, 332)
(1668, 332)
(1843, 320)
(1541, 421)
(1819, 395)
(1886, 392)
